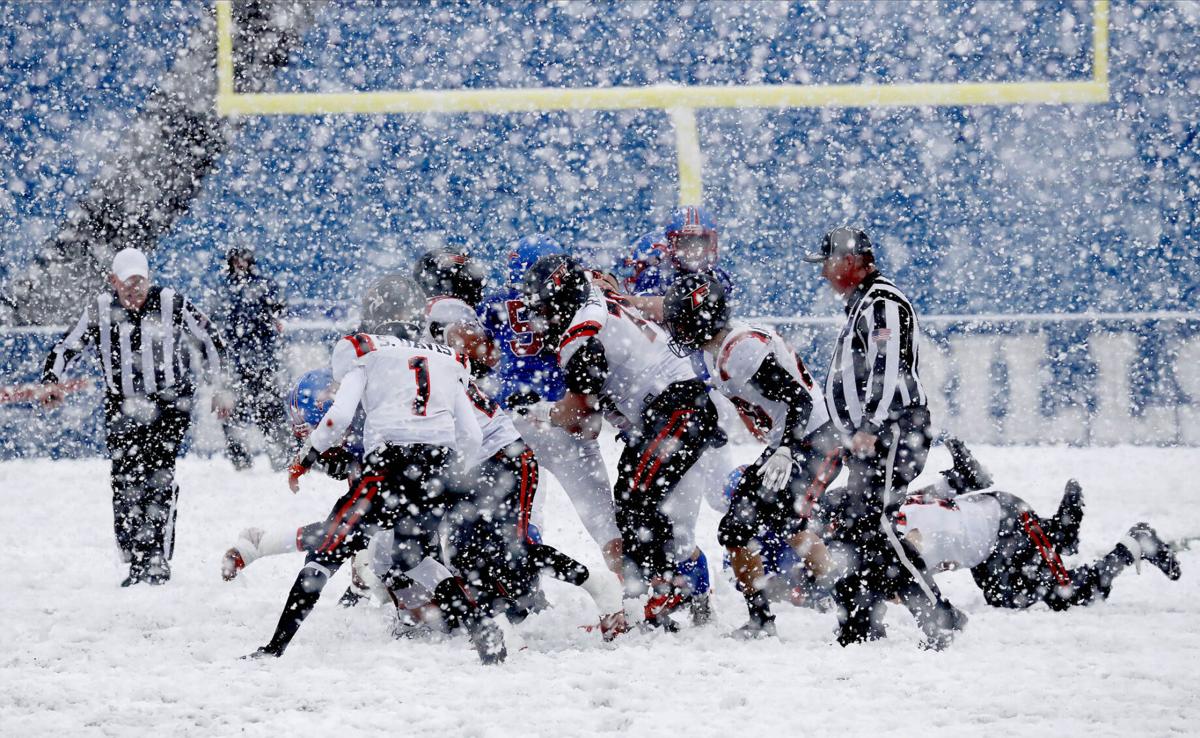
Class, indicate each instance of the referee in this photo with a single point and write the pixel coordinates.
(140, 333)
(874, 394)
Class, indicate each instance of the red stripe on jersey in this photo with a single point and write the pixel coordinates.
(345, 518)
(725, 352)
(362, 343)
(1049, 555)
(583, 330)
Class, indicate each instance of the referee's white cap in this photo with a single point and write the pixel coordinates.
(130, 262)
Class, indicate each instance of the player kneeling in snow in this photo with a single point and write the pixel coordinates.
(1014, 555)
(417, 417)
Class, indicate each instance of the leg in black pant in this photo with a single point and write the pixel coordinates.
(1025, 568)
(887, 566)
(143, 440)
(676, 428)
(494, 543)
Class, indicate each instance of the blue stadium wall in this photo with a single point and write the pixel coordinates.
(975, 210)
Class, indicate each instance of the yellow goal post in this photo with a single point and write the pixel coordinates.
(679, 101)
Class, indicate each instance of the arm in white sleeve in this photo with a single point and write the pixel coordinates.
(340, 414)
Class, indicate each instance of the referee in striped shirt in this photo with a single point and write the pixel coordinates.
(140, 333)
(874, 393)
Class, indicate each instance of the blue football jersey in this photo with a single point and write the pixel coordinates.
(523, 363)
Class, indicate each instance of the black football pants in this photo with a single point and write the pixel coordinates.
(884, 564)
(401, 486)
(1025, 567)
(143, 438)
(676, 427)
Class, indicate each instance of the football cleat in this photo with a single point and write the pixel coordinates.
(241, 553)
(613, 625)
(969, 472)
(1065, 524)
(1145, 545)
(755, 630)
(488, 640)
(231, 563)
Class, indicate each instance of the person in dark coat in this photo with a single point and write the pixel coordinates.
(253, 334)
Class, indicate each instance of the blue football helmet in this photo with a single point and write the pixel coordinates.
(523, 254)
(310, 398)
(691, 233)
(649, 251)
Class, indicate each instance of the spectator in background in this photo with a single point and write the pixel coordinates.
(253, 335)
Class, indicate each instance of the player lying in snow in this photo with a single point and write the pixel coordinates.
(1015, 555)
(796, 566)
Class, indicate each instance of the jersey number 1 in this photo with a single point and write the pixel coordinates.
(420, 367)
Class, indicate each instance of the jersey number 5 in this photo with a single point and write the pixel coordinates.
(420, 367)
(524, 341)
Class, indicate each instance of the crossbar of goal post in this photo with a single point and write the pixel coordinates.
(680, 102)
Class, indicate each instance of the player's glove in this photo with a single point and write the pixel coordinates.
(300, 467)
(521, 398)
(777, 469)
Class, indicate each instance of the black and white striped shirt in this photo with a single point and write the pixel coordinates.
(873, 374)
(144, 352)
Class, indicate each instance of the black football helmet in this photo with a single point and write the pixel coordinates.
(554, 289)
(447, 271)
(393, 305)
(695, 309)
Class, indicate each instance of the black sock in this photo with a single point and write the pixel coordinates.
(455, 603)
(760, 608)
(561, 566)
(306, 590)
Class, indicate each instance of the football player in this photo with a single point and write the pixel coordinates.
(613, 358)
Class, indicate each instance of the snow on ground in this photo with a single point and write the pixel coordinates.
(81, 656)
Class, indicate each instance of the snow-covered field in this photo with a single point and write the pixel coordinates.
(80, 656)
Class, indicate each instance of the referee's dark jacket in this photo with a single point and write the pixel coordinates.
(873, 374)
(142, 353)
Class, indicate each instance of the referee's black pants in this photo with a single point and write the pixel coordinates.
(884, 565)
(143, 437)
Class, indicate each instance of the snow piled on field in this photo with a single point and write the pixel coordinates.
(83, 657)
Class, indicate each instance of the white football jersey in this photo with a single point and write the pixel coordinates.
(411, 393)
(640, 361)
(739, 357)
(497, 427)
(957, 533)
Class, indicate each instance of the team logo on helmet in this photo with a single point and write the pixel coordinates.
(560, 274)
(699, 295)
